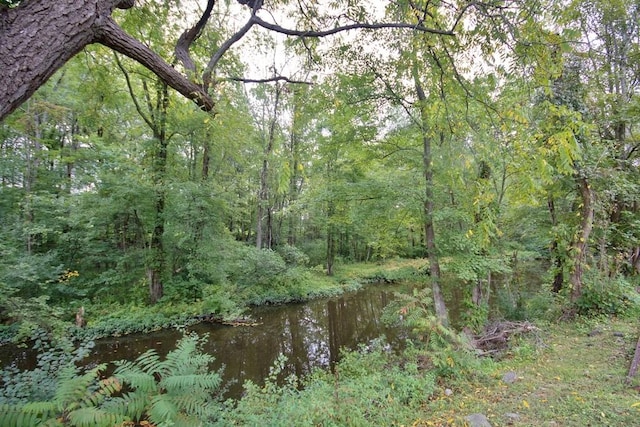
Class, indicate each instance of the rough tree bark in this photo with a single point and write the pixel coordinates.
(558, 278)
(581, 243)
(264, 205)
(40, 36)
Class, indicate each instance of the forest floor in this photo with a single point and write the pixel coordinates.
(566, 374)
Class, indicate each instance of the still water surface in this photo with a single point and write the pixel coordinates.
(309, 334)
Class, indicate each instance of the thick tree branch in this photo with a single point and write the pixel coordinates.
(188, 37)
(125, 4)
(256, 20)
(213, 62)
(37, 38)
(114, 37)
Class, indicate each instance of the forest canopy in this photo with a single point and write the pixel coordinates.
(164, 163)
(225, 152)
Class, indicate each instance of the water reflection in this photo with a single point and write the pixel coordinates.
(310, 335)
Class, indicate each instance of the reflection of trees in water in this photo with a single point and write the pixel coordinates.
(309, 335)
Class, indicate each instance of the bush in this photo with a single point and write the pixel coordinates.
(262, 276)
(119, 320)
(368, 387)
(179, 390)
(256, 268)
(293, 256)
(528, 305)
(609, 296)
(221, 300)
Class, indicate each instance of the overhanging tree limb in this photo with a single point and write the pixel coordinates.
(269, 80)
(188, 37)
(38, 37)
(114, 37)
(358, 26)
(213, 62)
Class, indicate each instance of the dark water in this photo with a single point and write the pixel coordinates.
(310, 335)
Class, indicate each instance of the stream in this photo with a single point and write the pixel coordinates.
(311, 335)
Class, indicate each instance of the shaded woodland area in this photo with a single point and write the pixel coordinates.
(168, 159)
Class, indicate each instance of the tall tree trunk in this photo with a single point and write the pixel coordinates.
(558, 278)
(293, 196)
(206, 158)
(581, 243)
(159, 171)
(264, 207)
(299, 120)
(331, 239)
(428, 207)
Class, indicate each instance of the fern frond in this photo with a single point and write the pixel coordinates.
(42, 410)
(72, 389)
(132, 405)
(180, 383)
(17, 416)
(138, 380)
(195, 405)
(187, 421)
(148, 362)
(162, 409)
(106, 388)
(175, 360)
(94, 417)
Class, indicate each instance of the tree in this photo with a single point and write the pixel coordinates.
(610, 34)
(37, 37)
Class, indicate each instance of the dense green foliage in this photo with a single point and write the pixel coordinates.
(124, 208)
(179, 389)
(205, 214)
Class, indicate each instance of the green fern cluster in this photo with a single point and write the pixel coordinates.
(177, 391)
(415, 311)
(78, 401)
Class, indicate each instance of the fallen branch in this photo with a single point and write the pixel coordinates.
(214, 318)
(496, 336)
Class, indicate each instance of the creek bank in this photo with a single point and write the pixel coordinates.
(310, 336)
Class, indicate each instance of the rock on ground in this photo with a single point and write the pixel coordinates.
(477, 420)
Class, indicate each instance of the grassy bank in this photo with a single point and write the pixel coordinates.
(118, 319)
(568, 374)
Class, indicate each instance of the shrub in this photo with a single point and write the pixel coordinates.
(57, 392)
(293, 256)
(368, 387)
(179, 390)
(262, 276)
(221, 300)
(609, 296)
(257, 267)
(447, 351)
